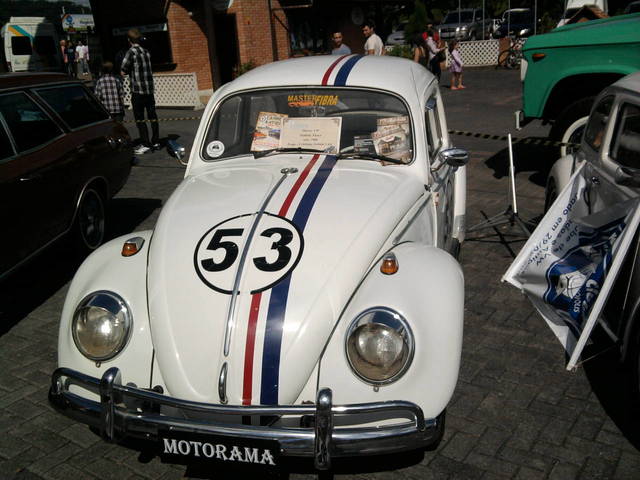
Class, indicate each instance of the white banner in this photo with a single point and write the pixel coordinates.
(569, 264)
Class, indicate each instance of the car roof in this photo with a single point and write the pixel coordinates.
(380, 72)
(28, 79)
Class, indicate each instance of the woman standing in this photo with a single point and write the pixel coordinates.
(420, 52)
(71, 60)
(434, 57)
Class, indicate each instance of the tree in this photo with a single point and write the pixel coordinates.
(417, 22)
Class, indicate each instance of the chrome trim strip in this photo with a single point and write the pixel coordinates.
(243, 257)
(323, 430)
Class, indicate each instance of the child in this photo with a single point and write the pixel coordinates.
(456, 66)
(109, 92)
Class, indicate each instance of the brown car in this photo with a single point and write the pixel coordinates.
(62, 158)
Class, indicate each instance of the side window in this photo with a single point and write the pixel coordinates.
(625, 148)
(29, 125)
(434, 129)
(598, 122)
(6, 149)
(74, 105)
(225, 128)
(20, 46)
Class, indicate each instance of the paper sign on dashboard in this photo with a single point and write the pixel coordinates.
(314, 133)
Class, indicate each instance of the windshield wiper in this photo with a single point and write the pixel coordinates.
(263, 153)
(372, 156)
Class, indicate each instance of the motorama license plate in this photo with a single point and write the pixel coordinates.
(193, 447)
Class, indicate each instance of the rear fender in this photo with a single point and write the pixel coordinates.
(428, 291)
(107, 269)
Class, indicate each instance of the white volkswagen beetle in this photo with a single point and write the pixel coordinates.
(298, 296)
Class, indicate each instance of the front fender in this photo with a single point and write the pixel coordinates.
(428, 290)
(107, 269)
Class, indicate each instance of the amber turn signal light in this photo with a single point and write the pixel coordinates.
(538, 56)
(132, 246)
(389, 264)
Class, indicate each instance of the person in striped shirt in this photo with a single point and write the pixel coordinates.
(137, 64)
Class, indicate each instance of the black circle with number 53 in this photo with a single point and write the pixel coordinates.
(276, 248)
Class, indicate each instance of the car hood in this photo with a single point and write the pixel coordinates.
(322, 227)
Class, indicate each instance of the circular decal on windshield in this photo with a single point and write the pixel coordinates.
(215, 149)
(276, 248)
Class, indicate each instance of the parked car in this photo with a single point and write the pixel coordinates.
(298, 288)
(633, 7)
(610, 154)
(465, 24)
(396, 37)
(516, 22)
(61, 159)
(565, 69)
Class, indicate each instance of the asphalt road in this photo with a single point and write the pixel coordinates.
(516, 412)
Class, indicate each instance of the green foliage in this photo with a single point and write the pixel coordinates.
(401, 51)
(243, 68)
(417, 22)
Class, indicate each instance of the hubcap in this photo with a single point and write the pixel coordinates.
(91, 220)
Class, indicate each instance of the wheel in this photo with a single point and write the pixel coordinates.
(570, 124)
(512, 61)
(550, 194)
(89, 225)
(503, 57)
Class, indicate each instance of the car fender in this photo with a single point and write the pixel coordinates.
(107, 269)
(561, 171)
(428, 291)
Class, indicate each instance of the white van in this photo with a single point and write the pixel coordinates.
(30, 44)
(572, 6)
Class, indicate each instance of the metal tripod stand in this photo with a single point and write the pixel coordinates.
(510, 214)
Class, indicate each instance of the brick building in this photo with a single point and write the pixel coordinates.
(213, 38)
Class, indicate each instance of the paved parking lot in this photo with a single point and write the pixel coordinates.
(516, 412)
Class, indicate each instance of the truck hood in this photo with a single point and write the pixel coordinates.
(614, 30)
(295, 266)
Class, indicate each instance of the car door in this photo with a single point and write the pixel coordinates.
(442, 186)
(30, 183)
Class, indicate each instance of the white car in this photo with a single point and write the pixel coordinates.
(396, 37)
(298, 295)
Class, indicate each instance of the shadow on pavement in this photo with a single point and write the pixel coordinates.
(527, 157)
(610, 383)
(36, 281)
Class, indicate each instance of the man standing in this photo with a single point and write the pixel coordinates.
(137, 64)
(340, 48)
(373, 45)
(82, 54)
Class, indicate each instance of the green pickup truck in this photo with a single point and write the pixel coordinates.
(565, 69)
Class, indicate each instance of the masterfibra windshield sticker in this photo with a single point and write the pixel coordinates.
(569, 263)
(309, 100)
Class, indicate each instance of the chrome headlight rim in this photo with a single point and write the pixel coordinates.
(86, 303)
(406, 333)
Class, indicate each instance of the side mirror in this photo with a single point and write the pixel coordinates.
(628, 177)
(177, 151)
(455, 157)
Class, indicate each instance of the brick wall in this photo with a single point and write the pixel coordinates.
(189, 43)
(254, 31)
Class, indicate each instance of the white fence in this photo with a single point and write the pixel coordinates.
(478, 53)
(171, 90)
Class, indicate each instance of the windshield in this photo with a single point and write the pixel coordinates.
(327, 120)
(452, 17)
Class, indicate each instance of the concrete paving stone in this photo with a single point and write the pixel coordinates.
(153, 468)
(525, 458)
(492, 441)
(555, 431)
(587, 426)
(44, 439)
(492, 464)
(598, 468)
(525, 436)
(87, 455)
(25, 409)
(493, 476)
(459, 446)
(454, 469)
(560, 453)
(526, 473)
(40, 396)
(556, 411)
(67, 472)
(461, 424)
(51, 421)
(171, 475)
(564, 471)
(55, 456)
(628, 467)
(10, 383)
(26, 475)
(11, 445)
(80, 434)
(19, 462)
(108, 470)
(553, 394)
(594, 449)
(7, 399)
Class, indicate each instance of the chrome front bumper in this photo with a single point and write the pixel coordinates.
(116, 417)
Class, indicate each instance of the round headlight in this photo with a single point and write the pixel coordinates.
(379, 345)
(101, 325)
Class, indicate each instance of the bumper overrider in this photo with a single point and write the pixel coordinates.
(127, 411)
